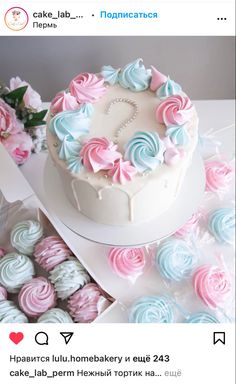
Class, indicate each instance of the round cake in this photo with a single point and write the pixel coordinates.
(122, 141)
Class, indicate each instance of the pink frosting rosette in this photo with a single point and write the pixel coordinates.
(87, 88)
(3, 293)
(31, 97)
(2, 252)
(127, 263)
(189, 227)
(174, 110)
(19, 147)
(37, 296)
(212, 285)
(99, 153)
(122, 171)
(63, 102)
(9, 124)
(219, 175)
(51, 251)
(87, 303)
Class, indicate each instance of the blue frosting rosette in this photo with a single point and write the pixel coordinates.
(169, 88)
(178, 135)
(135, 76)
(69, 148)
(145, 151)
(73, 124)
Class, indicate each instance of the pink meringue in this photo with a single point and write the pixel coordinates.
(87, 88)
(219, 175)
(172, 154)
(3, 293)
(122, 171)
(174, 110)
(127, 262)
(51, 251)
(37, 296)
(189, 226)
(212, 285)
(157, 79)
(99, 153)
(63, 102)
(87, 303)
(2, 252)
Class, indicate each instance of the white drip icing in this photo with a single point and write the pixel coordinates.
(75, 194)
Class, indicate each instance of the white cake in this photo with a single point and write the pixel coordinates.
(122, 142)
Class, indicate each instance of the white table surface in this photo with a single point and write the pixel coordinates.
(217, 116)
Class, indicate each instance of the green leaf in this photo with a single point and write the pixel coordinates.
(15, 98)
(39, 115)
(33, 119)
(34, 123)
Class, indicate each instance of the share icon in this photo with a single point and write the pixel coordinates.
(67, 336)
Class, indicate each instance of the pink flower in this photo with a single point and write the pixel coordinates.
(9, 124)
(122, 171)
(99, 153)
(31, 97)
(63, 102)
(19, 146)
(87, 87)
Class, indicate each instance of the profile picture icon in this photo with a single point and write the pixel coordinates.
(16, 18)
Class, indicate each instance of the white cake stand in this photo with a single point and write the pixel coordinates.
(184, 206)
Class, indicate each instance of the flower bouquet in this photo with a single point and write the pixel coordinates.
(22, 124)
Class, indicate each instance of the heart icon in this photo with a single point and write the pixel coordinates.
(16, 337)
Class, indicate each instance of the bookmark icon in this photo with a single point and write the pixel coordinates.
(67, 336)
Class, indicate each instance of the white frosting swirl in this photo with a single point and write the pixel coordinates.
(9, 313)
(55, 315)
(68, 277)
(15, 271)
(25, 235)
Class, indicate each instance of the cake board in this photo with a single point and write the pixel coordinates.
(186, 203)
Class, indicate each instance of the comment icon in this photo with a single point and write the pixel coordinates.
(41, 338)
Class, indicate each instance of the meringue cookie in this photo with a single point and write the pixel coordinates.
(221, 223)
(25, 235)
(152, 309)
(127, 262)
(68, 277)
(55, 315)
(15, 271)
(9, 313)
(212, 285)
(219, 175)
(37, 296)
(87, 303)
(51, 251)
(201, 317)
(175, 259)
